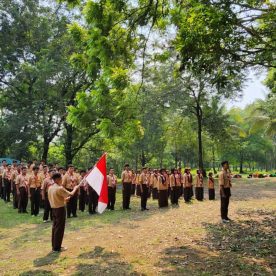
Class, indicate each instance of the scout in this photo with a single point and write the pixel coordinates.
(163, 185)
(138, 187)
(82, 192)
(7, 183)
(126, 181)
(211, 186)
(187, 183)
(112, 183)
(154, 180)
(47, 183)
(181, 182)
(225, 190)
(133, 185)
(199, 186)
(174, 187)
(69, 181)
(144, 184)
(34, 189)
(93, 199)
(15, 173)
(2, 169)
(57, 196)
(22, 190)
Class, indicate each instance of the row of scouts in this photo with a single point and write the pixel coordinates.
(163, 184)
(33, 181)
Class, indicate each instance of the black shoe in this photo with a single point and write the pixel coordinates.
(128, 208)
(147, 209)
(228, 219)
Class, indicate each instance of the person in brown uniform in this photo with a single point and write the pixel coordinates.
(16, 171)
(137, 183)
(7, 183)
(174, 187)
(187, 183)
(163, 185)
(199, 186)
(211, 186)
(181, 182)
(93, 199)
(47, 183)
(133, 185)
(57, 196)
(154, 180)
(69, 181)
(112, 183)
(126, 181)
(34, 190)
(225, 190)
(144, 184)
(2, 169)
(82, 192)
(22, 190)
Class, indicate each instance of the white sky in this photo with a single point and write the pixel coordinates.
(254, 89)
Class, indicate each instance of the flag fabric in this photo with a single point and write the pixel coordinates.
(97, 179)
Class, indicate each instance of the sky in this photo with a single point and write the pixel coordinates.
(254, 89)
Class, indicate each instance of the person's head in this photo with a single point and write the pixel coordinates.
(14, 163)
(144, 169)
(24, 170)
(9, 167)
(82, 173)
(42, 162)
(179, 170)
(51, 173)
(163, 172)
(175, 171)
(198, 171)
(4, 163)
(70, 169)
(35, 169)
(57, 178)
(210, 174)
(127, 167)
(45, 168)
(29, 163)
(225, 165)
(111, 171)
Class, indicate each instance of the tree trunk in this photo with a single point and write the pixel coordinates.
(46, 145)
(199, 137)
(68, 144)
(214, 159)
(143, 158)
(241, 163)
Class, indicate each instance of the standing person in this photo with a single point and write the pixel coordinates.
(144, 184)
(93, 199)
(34, 188)
(181, 182)
(211, 186)
(225, 190)
(2, 169)
(199, 186)
(7, 183)
(57, 196)
(82, 192)
(133, 185)
(174, 187)
(163, 185)
(112, 183)
(126, 181)
(137, 183)
(15, 173)
(47, 183)
(69, 181)
(154, 180)
(187, 183)
(22, 190)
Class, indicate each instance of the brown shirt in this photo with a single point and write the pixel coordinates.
(70, 181)
(225, 179)
(188, 180)
(211, 183)
(57, 195)
(145, 178)
(7, 174)
(199, 181)
(22, 180)
(126, 176)
(111, 180)
(163, 183)
(35, 181)
(47, 183)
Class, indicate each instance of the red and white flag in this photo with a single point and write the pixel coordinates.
(97, 179)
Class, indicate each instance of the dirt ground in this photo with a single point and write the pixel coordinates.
(184, 240)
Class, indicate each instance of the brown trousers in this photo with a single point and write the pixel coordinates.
(59, 216)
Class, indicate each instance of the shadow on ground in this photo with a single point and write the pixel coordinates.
(39, 272)
(246, 247)
(102, 262)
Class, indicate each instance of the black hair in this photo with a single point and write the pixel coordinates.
(56, 176)
(35, 168)
(224, 162)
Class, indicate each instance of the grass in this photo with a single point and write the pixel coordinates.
(189, 240)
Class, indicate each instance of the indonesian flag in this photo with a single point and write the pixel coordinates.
(97, 179)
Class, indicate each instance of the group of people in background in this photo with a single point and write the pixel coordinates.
(32, 181)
